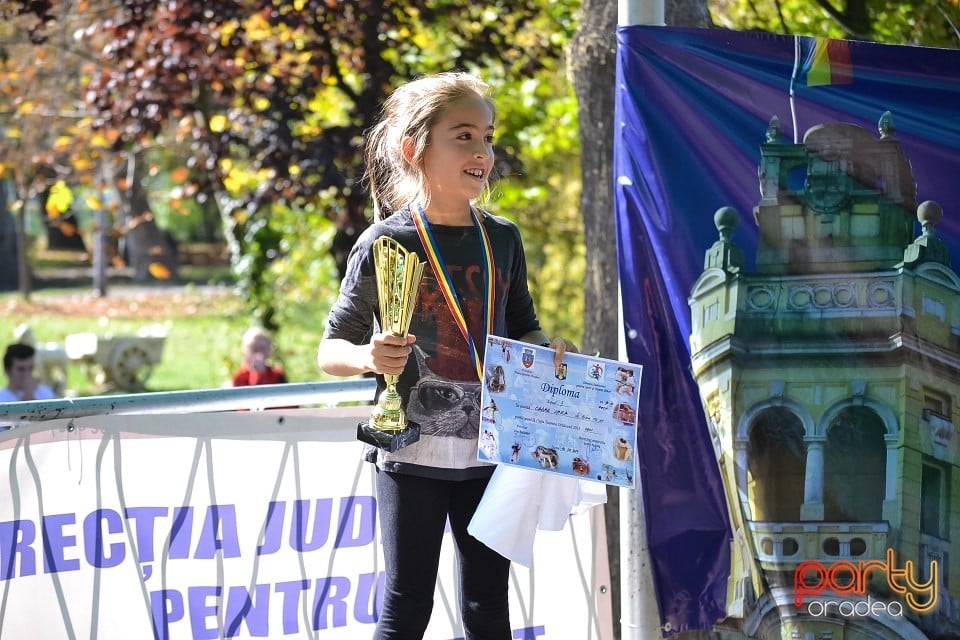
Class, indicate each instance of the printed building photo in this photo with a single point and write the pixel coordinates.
(829, 374)
(788, 251)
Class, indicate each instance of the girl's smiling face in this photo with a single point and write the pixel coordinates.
(459, 157)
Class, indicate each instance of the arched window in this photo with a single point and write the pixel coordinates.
(776, 458)
(854, 467)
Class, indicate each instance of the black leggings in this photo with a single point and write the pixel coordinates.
(413, 514)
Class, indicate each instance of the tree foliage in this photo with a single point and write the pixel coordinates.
(44, 135)
(52, 154)
(933, 24)
(269, 99)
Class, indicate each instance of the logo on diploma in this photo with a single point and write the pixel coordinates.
(527, 358)
(595, 372)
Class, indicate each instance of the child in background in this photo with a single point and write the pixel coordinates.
(256, 368)
(18, 364)
(428, 159)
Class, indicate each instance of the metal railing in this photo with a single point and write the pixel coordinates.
(254, 398)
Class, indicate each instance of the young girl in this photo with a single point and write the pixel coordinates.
(428, 159)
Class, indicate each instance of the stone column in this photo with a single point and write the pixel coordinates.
(812, 508)
(740, 472)
(890, 509)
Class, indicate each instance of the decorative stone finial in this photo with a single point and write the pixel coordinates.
(724, 254)
(773, 130)
(927, 247)
(726, 220)
(885, 126)
(929, 213)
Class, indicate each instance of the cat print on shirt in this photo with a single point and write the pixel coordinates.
(444, 408)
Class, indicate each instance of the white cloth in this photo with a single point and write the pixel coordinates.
(42, 392)
(519, 501)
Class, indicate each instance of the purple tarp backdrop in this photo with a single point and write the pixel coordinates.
(692, 108)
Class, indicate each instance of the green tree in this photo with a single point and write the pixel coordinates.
(932, 24)
(49, 144)
(273, 98)
(268, 101)
(39, 127)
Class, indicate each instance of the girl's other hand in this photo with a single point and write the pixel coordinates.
(562, 345)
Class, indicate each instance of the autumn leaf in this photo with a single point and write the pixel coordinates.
(61, 143)
(232, 183)
(159, 271)
(99, 141)
(68, 229)
(218, 123)
(59, 200)
(179, 175)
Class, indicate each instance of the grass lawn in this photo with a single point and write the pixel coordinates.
(204, 325)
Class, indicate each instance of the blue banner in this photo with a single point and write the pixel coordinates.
(708, 119)
(254, 524)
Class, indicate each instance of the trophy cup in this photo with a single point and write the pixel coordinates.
(398, 274)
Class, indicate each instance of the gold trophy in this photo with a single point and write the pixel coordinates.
(398, 274)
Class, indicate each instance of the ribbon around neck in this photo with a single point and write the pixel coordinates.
(446, 283)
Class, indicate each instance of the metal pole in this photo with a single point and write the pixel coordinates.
(100, 252)
(230, 399)
(640, 12)
(640, 615)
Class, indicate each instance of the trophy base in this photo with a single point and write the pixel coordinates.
(387, 440)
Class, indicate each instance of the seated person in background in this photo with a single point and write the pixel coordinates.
(50, 359)
(21, 383)
(256, 367)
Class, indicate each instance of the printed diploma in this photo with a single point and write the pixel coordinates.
(578, 419)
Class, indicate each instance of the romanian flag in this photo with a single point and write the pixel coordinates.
(828, 62)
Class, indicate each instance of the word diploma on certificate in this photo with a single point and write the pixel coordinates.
(578, 419)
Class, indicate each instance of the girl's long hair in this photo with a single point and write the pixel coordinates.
(411, 111)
